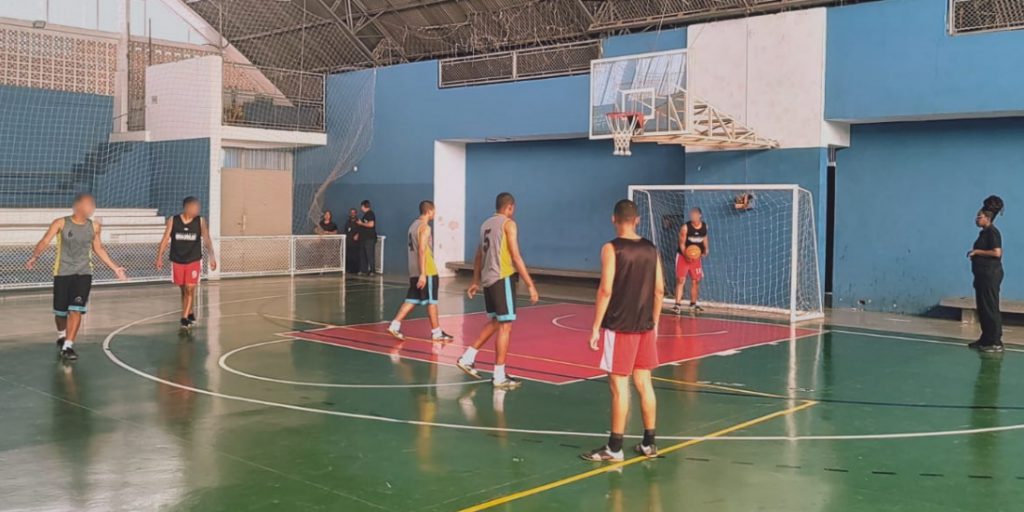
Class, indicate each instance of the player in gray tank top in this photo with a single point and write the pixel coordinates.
(78, 238)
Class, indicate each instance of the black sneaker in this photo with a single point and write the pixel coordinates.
(68, 354)
(185, 323)
(677, 308)
(60, 343)
(445, 337)
(975, 345)
(992, 349)
(603, 454)
(191, 319)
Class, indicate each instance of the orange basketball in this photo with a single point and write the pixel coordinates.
(692, 253)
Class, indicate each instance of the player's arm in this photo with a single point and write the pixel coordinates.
(44, 242)
(512, 234)
(423, 241)
(478, 261)
(604, 292)
(164, 241)
(208, 242)
(683, 233)
(101, 252)
(659, 292)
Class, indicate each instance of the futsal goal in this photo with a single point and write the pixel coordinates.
(763, 249)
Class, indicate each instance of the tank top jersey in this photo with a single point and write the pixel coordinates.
(631, 309)
(497, 259)
(696, 236)
(414, 252)
(74, 249)
(186, 240)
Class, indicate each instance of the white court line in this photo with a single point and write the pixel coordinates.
(385, 419)
(557, 323)
(922, 340)
(224, 365)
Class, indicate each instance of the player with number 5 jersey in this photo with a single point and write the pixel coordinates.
(497, 268)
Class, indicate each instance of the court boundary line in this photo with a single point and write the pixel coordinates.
(635, 460)
(845, 437)
(911, 338)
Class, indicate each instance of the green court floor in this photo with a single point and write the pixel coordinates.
(239, 416)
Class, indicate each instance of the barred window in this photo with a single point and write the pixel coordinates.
(968, 16)
(544, 62)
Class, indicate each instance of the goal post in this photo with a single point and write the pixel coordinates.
(762, 244)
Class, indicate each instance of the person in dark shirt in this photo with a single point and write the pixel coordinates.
(352, 242)
(987, 266)
(327, 225)
(187, 234)
(626, 321)
(367, 239)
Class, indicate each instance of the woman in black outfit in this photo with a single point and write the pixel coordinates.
(987, 266)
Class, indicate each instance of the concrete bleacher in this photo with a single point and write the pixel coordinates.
(26, 225)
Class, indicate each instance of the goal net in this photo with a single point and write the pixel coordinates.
(762, 244)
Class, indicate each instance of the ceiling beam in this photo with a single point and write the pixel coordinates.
(283, 30)
(346, 30)
(384, 32)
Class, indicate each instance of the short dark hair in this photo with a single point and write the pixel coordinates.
(189, 200)
(426, 206)
(625, 210)
(698, 210)
(82, 196)
(365, 203)
(504, 199)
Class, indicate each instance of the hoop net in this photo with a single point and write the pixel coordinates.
(624, 126)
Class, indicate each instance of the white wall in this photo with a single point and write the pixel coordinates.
(768, 72)
(450, 201)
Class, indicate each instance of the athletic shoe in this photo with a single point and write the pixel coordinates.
(68, 354)
(992, 349)
(603, 454)
(396, 334)
(468, 369)
(677, 308)
(192, 319)
(975, 345)
(445, 337)
(650, 451)
(696, 308)
(60, 343)
(508, 383)
(185, 324)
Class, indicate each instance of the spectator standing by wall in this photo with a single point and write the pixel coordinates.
(367, 239)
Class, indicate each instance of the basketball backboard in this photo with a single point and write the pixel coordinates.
(647, 83)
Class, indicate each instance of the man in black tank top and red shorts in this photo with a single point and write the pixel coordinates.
(693, 234)
(186, 233)
(626, 323)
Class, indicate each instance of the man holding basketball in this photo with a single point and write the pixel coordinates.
(693, 248)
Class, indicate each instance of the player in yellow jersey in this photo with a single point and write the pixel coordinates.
(498, 266)
(423, 280)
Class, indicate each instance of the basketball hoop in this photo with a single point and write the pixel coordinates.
(624, 126)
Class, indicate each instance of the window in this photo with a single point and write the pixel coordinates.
(968, 16)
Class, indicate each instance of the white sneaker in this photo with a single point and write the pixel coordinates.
(468, 369)
(396, 334)
(508, 383)
(603, 454)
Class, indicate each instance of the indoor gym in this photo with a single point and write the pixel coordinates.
(839, 152)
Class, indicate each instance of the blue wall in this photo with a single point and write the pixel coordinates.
(894, 58)
(55, 144)
(906, 198)
(565, 191)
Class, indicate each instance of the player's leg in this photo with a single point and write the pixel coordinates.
(61, 301)
(646, 360)
(501, 378)
(680, 281)
(188, 296)
(436, 333)
(78, 292)
(618, 386)
(696, 276)
(467, 362)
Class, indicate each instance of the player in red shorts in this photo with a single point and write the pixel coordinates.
(187, 234)
(693, 234)
(626, 321)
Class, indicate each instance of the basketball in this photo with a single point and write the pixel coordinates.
(692, 253)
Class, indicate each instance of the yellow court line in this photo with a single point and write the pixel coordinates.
(614, 466)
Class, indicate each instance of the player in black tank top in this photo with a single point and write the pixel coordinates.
(693, 234)
(186, 234)
(626, 316)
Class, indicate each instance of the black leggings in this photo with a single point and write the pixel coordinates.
(986, 294)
